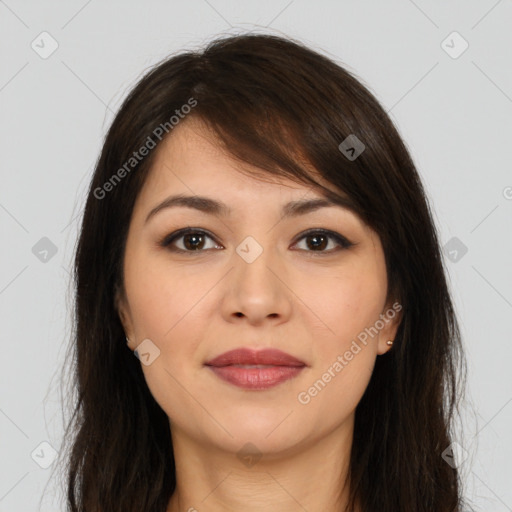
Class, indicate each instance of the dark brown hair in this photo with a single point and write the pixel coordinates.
(285, 108)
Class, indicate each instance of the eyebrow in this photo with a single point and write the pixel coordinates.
(219, 209)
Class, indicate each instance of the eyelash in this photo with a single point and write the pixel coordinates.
(342, 242)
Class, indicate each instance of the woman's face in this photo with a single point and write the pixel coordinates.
(253, 280)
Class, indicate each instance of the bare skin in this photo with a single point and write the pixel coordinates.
(307, 301)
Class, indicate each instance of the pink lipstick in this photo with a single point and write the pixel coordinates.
(251, 369)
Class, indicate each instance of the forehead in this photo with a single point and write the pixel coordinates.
(192, 160)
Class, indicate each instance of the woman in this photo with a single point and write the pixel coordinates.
(262, 315)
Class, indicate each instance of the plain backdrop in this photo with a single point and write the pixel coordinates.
(441, 69)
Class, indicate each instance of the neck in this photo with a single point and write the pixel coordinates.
(307, 477)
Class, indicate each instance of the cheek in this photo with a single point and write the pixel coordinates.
(347, 306)
(334, 393)
(168, 308)
(161, 298)
(345, 356)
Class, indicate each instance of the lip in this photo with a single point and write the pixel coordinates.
(267, 356)
(275, 367)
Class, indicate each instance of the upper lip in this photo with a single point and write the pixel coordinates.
(267, 356)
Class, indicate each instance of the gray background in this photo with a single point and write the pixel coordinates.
(453, 109)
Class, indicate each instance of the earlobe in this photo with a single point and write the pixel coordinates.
(120, 306)
(385, 345)
(392, 318)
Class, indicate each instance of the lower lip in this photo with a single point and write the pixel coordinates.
(256, 378)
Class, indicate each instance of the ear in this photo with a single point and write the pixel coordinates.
(390, 317)
(123, 310)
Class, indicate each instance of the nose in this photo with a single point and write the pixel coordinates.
(256, 290)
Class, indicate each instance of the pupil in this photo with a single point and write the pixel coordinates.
(316, 238)
(195, 238)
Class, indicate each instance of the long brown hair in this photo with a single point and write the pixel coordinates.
(278, 105)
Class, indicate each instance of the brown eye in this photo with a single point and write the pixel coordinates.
(319, 240)
(188, 240)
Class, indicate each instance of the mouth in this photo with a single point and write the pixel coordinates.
(256, 370)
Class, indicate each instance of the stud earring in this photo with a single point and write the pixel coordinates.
(389, 343)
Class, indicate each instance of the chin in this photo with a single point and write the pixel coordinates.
(268, 433)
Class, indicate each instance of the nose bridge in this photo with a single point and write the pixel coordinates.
(253, 262)
(254, 289)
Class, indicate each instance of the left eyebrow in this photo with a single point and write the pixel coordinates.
(213, 207)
